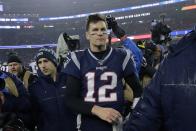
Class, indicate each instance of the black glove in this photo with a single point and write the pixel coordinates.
(112, 24)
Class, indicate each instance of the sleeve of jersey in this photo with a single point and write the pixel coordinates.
(72, 65)
(137, 54)
(129, 66)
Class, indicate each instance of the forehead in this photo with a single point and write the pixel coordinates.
(99, 24)
(13, 63)
(43, 59)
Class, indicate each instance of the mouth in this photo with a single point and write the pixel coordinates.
(45, 71)
(101, 39)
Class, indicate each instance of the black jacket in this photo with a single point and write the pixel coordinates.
(168, 103)
(48, 99)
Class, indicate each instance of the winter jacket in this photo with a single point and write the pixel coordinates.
(48, 98)
(26, 77)
(168, 103)
(16, 98)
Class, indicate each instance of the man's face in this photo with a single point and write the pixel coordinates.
(46, 66)
(14, 68)
(97, 34)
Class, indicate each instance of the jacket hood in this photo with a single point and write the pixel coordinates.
(188, 39)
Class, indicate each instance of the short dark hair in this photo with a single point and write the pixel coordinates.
(94, 19)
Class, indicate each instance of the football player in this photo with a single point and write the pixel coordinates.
(95, 79)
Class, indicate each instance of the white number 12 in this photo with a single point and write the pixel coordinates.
(101, 90)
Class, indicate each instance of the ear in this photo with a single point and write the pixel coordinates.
(87, 35)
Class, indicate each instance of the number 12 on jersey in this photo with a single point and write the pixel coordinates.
(101, 90)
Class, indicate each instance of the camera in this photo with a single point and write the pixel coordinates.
(73, 42)
(160, 32)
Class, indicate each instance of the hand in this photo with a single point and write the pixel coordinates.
(107, 114)
(112, 24)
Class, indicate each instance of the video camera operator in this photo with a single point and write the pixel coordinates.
(15, 106)
(160, 32)
(154, 50)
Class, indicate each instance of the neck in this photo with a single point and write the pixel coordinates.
(98, 48)
(54, 76)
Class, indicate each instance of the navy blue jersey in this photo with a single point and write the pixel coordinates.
(101, 80)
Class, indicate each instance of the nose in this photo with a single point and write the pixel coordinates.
(42, 65)
(100, 32)
(12, 67)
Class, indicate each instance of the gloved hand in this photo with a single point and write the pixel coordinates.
(112, 24)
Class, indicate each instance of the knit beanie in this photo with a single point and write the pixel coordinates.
(46, 53)
(12, 57)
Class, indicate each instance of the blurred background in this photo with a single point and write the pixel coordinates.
(27, 25)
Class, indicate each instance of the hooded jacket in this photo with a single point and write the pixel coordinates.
(168, 103)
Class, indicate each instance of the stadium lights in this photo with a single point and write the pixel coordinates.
(191, 7)
(1, 7)
(14, 19)
(10, 27)
(113, 10)
(27, 46)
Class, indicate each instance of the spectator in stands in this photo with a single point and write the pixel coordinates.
(168, 103)
(47, 95)
(15, 67)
